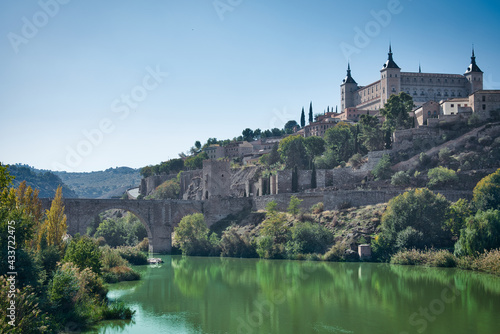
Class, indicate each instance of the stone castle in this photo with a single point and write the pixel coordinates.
(423, 87)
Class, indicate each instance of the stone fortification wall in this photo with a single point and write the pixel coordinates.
(337, 199)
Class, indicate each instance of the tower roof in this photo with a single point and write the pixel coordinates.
(390, 63)
(348, 78)
(473, 66)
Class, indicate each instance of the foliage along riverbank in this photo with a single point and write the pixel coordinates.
(59, 283)
(417, 227)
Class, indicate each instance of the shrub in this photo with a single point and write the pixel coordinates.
(424, 212)
(356, 160)
(485, 141)
(310, 238)
(235, 245)
(430, 258)
(117, 311)
(84, 253)
(488, 262)
(317, 208)
(382, 170)
(482, 233)
(167, 190)
(401, 178)
(336, 253)
(445, 156)
(441, 176)
(132, 255)
(293, 207)
(487, 192)
(143, 246)
(424, 160)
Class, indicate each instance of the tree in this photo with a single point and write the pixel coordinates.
(341, 141)
(371, 136)
(382, 170)
(192, 235)
(195, 162)
(315, 146)
(310, 112)
(54, 226)
(302, 118)
(84, 252)
(247, 134)
(416, 219)
(167, 190)
(487, 192)
(293, 206)
(457, 216)
(293, 152)
(290, 126)
(397, 112)
(114, 233)
(482, 233)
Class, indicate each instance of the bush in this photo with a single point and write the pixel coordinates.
(235, 245)
(401, 178)
(430, 258)
(424, 212)
(487, 192)
(117, 311)
(356, 160)
(132, 255)
(317, 208)
(441, 176)
(482, 233)
(143, 246)
(336, 253)
(488, 262)
(310, 238)
(84, 253)
(293, 207)
(167, 190)
(382, 170)
(445, 156)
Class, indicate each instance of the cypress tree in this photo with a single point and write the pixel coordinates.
(313, 178)
(302, 118)
(310, 113)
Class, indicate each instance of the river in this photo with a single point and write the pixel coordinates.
(225, 295)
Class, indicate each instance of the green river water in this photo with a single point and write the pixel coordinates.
(224, 295)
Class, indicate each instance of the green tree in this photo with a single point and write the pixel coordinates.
(84, 252)
(371, 136)
(457, 216)
(113, 232)
(315, 146)
(294, 205)
(293, 152)
(192, 235)
(289, 126)
(247, 134)
(397, 112)
(302, 118)
(340, 140)
(195, 162)
(310, 112)
(482, 233)
(416, 219)
(307, 238)
(487, 192)
(382, 170)
(167, 190)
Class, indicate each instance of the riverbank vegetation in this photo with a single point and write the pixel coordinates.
(417, 227)
(58, 281)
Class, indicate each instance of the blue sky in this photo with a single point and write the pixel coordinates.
(88, 85)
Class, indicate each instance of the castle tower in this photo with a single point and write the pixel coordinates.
(347, 90)
(216, 179)
(474, 75)
(390, 78)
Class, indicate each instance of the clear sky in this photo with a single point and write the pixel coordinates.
(88, 85)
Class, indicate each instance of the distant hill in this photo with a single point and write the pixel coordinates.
(103, 184)
(45, 181)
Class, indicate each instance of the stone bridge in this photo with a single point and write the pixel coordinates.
(159, 217)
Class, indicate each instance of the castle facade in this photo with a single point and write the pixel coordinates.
(356, 100)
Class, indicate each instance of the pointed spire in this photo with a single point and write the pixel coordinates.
(473, 66)
(419, 68)
(348, 78)
(390, 63)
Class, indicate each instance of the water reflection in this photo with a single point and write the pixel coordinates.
(213, 295)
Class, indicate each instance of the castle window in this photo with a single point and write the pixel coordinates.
(445, 80)
(452, 105)
(439, 80)
(414, 79)
(390, 75)
(430, 80)
(414, 92)
(484, 98)
(460, 94)
(452, 93)
(484, 106)
(428, 114)
(445, 93)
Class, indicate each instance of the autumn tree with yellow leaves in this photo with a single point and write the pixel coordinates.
(54, 227)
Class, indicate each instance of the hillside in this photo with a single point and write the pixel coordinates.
(101, 184)
(45, 181)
